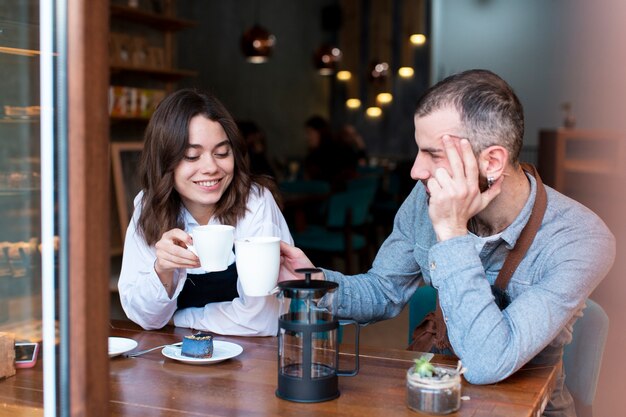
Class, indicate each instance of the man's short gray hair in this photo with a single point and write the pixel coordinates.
(490, 111)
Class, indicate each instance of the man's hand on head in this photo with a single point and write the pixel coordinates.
(455, 195)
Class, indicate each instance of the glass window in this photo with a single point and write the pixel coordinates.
(29, 209)
(20, 173)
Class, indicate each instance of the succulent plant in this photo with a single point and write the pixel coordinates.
(423, 367)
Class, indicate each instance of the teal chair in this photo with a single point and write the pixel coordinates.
(582, 358)
(304, 202)
(387, 202)
(370, 170)
(347, 217)
(367, 186)
(422, 302)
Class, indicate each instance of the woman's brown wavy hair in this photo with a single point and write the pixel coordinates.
(165, 141)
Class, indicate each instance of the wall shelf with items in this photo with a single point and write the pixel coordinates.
(142, 53)
(143, 69)
(142, 41)
(133, 104)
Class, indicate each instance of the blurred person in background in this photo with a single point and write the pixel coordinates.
(257, 148)
(354, 141)
(327, 158)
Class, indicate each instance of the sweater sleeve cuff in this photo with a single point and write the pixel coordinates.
(451, 257)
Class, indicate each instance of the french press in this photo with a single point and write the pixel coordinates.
(308, 348)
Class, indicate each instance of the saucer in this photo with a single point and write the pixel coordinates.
(119, 345)
(221, 351)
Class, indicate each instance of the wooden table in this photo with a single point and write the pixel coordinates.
(153, 385)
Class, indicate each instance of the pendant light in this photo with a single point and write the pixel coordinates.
(379, 92)
(257, 44)
(350, 41)
(327, 55)
(413, 17)
(325, 59)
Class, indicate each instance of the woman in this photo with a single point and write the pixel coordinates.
(194, 172)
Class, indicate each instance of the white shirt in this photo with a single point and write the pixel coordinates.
(145, 300)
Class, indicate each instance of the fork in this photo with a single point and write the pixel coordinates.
(141, 352)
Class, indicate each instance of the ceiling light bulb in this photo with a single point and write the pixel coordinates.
(344, 75)
(405, 72)
(418, 39)
(373, 112)
(384, 98)
(353, 103)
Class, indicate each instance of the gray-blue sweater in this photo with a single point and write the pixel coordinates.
(571, 253)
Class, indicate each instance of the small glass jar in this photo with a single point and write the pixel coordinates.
(434, 395)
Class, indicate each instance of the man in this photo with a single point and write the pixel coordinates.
(455, 229)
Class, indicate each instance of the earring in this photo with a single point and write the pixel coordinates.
(490, 181)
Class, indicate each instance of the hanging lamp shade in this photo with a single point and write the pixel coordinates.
(350, 38)
(326, 58)
(380, 82)
(379, 69)
(415, 11)
(413, 28)
(257, 44)
(378, 76)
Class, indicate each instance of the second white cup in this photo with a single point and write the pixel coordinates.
(258, 263)
(213, 244)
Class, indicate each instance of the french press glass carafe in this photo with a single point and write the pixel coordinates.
(308, 349)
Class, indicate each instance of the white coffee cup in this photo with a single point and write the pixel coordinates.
(213, 244)
(258, 262)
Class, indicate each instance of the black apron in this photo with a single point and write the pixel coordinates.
(211, 287)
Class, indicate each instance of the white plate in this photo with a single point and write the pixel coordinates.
(221, 351)
(119, 345)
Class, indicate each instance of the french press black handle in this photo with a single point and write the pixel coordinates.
(351, 372)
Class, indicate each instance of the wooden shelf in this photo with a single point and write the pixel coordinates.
(137, 119)
(158, 21)
(9, 120)
(573, 151)
(11, 192)
(163, 74)
(599, 167)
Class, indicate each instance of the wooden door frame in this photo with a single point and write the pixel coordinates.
(89, 231)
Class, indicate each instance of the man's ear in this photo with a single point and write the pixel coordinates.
(493, 161)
